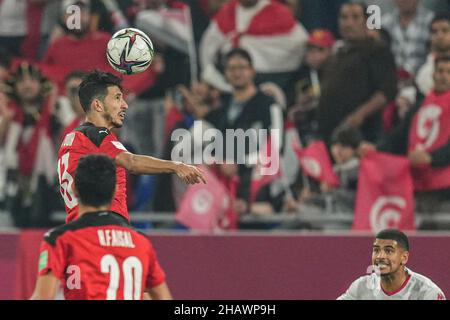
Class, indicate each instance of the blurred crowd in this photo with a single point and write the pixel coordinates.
(311, 68)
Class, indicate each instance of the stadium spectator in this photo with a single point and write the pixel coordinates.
(440, 45)
(424, 137)
(344, 149)
(408, 25)
(392, 280)
(78, 48)
(13, 25)
(179, 106)
(355, 89)
(29, 148)
(71, 110)
(245, 108)
(86, 243)
(266, 29)
(306, 88)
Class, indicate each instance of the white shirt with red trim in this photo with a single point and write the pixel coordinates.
(415, 287)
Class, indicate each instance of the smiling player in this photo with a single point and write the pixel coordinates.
(393, 281)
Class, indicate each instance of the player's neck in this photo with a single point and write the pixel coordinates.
(83, 209)
(99, 121)
(393, 282)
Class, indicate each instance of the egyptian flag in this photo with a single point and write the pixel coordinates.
(384, 198)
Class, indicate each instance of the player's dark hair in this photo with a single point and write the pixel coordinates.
(440, 16)
(443, 58)
(394, 234)
(95, 86)
(238, 52)
(95, 180)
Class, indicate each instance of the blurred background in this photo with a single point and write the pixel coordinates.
(363, 145)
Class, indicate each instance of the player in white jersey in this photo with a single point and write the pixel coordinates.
(392, 280)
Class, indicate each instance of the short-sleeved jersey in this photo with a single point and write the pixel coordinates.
(416, 287)
(89, 139)
(99, 256)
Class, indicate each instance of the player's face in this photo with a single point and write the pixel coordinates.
(388, 256)
(115, 107)
(352, 22)
(239, 72)
(442, 77)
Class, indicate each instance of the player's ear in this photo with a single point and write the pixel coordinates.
(97, 105)
(405, 257)
(75, 191)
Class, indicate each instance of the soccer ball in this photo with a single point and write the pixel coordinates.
(130, 51)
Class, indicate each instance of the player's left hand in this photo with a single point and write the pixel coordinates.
(189, 174)
(419, 157)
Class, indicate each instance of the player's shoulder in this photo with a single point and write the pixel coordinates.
(93, 219)
(94, 134)
(425, 284)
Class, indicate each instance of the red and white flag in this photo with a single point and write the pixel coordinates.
(316, 163)
(204, 205)
(384, 198)
(429, 131)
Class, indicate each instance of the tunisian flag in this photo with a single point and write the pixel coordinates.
(316, 162)
(204, 205)
(430, 130)
(384, 198)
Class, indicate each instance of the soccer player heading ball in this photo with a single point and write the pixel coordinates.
(102, 100)
(98, 256)
(392, 280)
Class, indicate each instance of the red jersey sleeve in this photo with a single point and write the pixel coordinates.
(112, 147)
(156, 274)
(51, 258)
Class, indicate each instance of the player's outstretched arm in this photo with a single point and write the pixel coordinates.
(160, 292)
(140, 164)
(45, 287)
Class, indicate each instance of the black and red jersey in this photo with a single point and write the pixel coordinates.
(99, 256)
(89, 139)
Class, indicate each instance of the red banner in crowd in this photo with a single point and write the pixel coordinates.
(203, 205)
(316, 162)
(384, 197)
(266, 170)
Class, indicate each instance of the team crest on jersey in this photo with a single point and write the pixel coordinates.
(68, 140)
